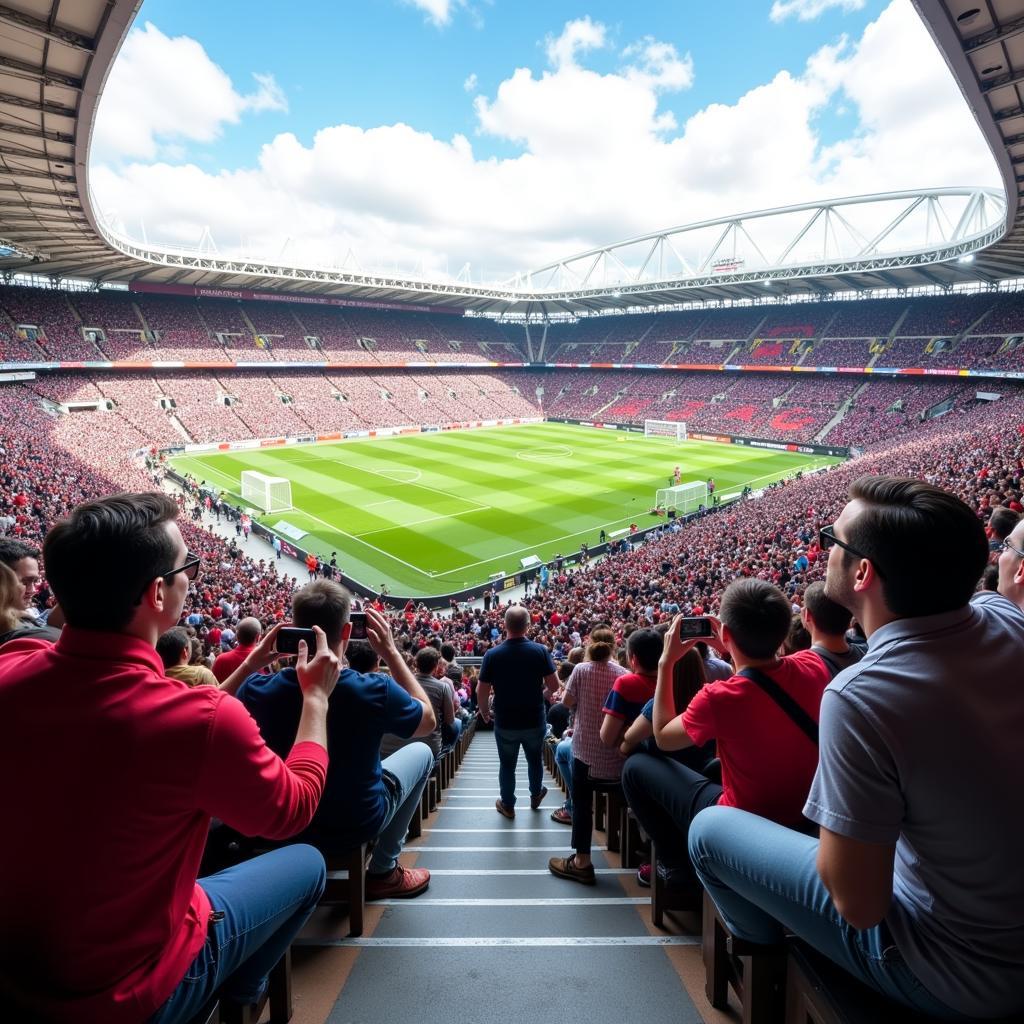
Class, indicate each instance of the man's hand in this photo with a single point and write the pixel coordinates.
(317, 677)
(675, 647)
(263, 652)
(378, 634)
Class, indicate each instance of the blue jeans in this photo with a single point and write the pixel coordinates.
(764, 881)
(563, 758)
(406, 772)
(259, 907)
(451, 733)
(509, 741)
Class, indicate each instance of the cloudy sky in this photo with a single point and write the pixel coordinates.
(485, 137)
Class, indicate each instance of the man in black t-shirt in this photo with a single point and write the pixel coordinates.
(519, 671)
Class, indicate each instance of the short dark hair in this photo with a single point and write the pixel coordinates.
(798, 638)
(829, 617)
(427, 659)
(100, 559)
(171, 644)
(929, 546)
(323, 603)
(757, 615)
(361, 656)
(646, 646)
(448, 652)
(1002, 521)
(13, 551)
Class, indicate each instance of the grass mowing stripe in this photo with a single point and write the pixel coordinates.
(446, 510)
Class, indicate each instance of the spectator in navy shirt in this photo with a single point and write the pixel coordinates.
(364, 798)
(519, 671)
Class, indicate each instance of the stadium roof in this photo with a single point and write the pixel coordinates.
(55, 56)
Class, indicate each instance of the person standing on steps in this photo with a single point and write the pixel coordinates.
(519, 671)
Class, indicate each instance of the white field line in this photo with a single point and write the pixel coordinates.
(417, 522)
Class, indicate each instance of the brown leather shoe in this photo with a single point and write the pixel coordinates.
(565, 867)
(536, 801)
(507, 812)
(401, 884)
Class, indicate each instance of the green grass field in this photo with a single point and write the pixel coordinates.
(434, 513)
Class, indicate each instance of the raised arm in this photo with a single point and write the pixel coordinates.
(378, 633)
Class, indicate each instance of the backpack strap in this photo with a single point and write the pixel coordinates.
(833, 666)
(806, 724)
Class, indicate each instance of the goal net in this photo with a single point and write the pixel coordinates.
(665, 428)
(270, 493)
(683, 497)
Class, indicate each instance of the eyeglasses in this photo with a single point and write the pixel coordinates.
(190, 569)
(827, 538)
(1007, 546)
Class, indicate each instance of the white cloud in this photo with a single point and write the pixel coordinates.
(577, 36)
(808, 10)
(165, 90)
(439, 12)
(659, 65)
(601, 160)
(470, 83)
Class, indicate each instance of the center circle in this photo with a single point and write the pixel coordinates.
(549, 453)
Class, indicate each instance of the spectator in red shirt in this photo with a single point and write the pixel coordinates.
(767, 761)
(137, 765)
(248, 633)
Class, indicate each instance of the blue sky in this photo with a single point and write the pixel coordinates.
(383, 61)
(448, 137)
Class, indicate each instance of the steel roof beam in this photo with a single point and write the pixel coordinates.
(30, 72)
(38, 27)
(37, 133)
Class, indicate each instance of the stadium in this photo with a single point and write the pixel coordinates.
(602, 443)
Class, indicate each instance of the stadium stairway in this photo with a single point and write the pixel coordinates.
(497, 937)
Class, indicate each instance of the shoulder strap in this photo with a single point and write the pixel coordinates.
(800, 717)
(831, 664)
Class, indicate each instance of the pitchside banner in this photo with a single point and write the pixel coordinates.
(800, 447)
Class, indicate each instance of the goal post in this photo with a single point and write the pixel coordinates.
(683, 497)
(665, 428)
(269, 493)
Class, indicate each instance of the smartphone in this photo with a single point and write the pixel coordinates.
(358, 620)
(695, 629)
(288, 638)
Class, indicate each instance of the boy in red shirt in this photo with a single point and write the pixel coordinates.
(110, 759)
(767, 760)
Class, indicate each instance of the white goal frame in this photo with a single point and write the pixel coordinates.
(269, 493)
(683, 497)
(666, 428)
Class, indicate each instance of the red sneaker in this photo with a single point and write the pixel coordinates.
(401, 884)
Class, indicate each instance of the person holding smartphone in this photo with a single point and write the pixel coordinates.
(364, 798)
(767, 760)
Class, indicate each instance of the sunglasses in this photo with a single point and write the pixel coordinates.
(190, 569)
(827, 538)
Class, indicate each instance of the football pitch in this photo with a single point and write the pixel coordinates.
(430, 514)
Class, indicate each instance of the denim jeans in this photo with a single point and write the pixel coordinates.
(509, 741)
(665, 797)
(764, 880)
(563, 758)
(406, 772)
(259, 907)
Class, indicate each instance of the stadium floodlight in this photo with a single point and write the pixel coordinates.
(665, 428)
(269, 493)
(683, 497)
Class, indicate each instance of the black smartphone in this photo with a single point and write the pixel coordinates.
(358, 620)
(695, 629)
(288, 638)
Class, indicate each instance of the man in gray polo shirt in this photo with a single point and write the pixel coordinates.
(915, 886)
